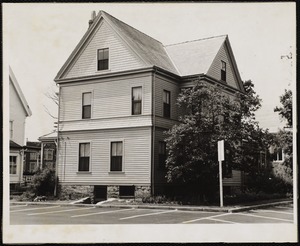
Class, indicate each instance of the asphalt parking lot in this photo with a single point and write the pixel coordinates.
(57, 214)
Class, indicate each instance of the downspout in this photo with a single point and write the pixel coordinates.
(57, 147)
(153, 134)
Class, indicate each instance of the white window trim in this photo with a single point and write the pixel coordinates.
(17, 165)
(105, 70)
(78, 152)
(123, 155)
(92, 104)
(142, 106)
(277, 156)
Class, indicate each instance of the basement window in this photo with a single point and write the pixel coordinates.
(126, 191)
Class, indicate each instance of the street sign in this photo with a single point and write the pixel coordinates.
(221, 150)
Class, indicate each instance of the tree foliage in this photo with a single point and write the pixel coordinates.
(210, 115)
(286, 110)
(43, 181)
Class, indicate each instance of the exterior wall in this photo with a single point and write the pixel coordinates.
(215, 69)
(121, 58)
(111, 103)
(136, 157)
(18, 177)
(17, 115)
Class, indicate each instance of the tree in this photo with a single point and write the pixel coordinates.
(286, 110)
(211, 115)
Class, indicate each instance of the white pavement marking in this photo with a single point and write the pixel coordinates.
(204, 218)
(284, 207)
(143, 215)
(106, 212)
(226, 221)
(17, 206)
(264, 217)
(60, 211)
(272, 211)
(21, 210)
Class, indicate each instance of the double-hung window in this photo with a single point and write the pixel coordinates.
(48, 154)
(136, 100)
(167, 104)
(103, 56)
(223, 70)
(116, 156)
(162, 154)
(86, 105)
(13, 165)
(84, 157)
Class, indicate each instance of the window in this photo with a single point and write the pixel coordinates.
(103, 59)
(86, 105)
(162, 154)
(13, 165)
(11, 129)
(116, 156)
(48, 154)
(278, 155)
(84, 157)
(33, 156)
(136, 100)
(223, 70)
(32, 167)
(126, 191)
(166, 101)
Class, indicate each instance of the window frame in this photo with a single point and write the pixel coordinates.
(15, 164)
(123, 156)
(104, 69)
(46, 154)
(165, 104)
(223, 70)
(90, 157)
(135, 101)
(90, 105)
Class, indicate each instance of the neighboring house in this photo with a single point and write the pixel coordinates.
(117, 95)
(18, 111)
(32, 160)
(48, 150)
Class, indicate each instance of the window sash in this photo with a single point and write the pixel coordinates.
(84, 157)
(166, 97)
(116, 156)
(223, 70)
(86, 105)
(86, 112)
(103, 57)
(12, 165)
(137, 100)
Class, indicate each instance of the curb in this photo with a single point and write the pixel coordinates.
(186, 208)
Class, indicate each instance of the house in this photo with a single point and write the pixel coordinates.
(117, 95)
(48, 150)
(32, 160)
(18, 111)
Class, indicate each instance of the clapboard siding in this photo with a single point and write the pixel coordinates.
(236, 179)
(215, 68)
(137, 156)
(160, 85)
(121, 58)
(110, 98)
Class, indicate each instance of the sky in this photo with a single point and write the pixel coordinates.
(38, 38)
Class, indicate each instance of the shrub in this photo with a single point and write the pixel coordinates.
(43, 182)
(27, 196)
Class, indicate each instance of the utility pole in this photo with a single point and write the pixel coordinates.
(220, 159)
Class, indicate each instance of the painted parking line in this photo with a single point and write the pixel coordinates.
(225, 221)
(28, 209)
(17, 206)
(290, 207)
(106, 212)
(272, 211)
(204, 218)
(60, 211)
(263, 217)
(143, 215)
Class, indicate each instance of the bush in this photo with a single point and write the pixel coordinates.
(27, 196)
(43, 182)
(155, 199)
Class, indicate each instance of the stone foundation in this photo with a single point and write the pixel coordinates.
(142, 191)
(76, 192)
(112, 191)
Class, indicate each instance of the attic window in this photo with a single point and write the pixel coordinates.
(223, 70)
(103, 59)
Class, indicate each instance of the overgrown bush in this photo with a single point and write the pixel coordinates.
(27, 196)
(43, 182)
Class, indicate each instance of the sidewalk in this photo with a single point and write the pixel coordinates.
(225, 209)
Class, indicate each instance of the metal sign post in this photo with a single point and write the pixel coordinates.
(220, 159)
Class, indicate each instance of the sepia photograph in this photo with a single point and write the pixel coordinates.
(149, 122)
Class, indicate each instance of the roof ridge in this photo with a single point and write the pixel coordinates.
(195, 40)
(131, 26)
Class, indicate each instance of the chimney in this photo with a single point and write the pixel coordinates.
(93, 15)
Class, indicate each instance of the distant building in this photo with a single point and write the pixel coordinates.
(48, 150)
(118, 92)
(32, 160)
(18, 111)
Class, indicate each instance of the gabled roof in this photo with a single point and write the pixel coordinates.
(19, 92)
(51, 135)
(13, 144)
(195, 57)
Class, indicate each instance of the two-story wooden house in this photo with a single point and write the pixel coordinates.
(18, 111)
(117, 95)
